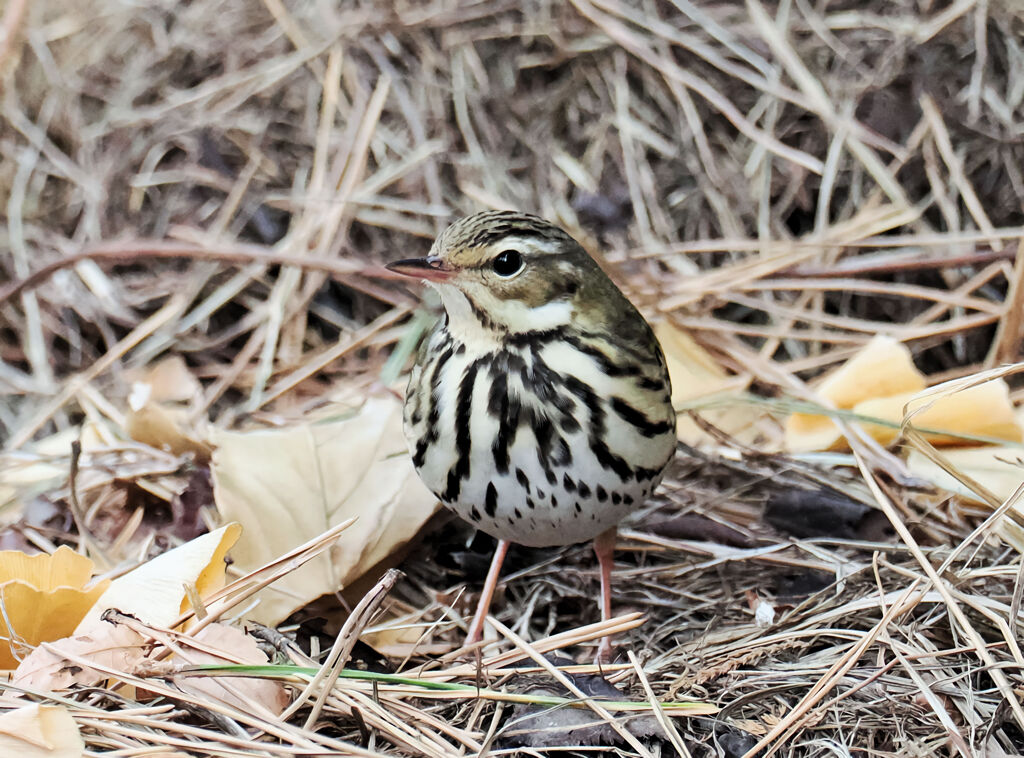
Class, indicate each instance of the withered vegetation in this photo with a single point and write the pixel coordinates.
(222, 181)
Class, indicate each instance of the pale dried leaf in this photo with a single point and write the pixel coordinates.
(695, 374)
(286, 486)
(238, 647)
(999, 469)
(40, 731)
(155, 592)
(41, 466)
(109, 645)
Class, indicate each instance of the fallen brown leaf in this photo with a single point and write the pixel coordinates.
(48, 668)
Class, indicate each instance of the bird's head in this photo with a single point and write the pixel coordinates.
(502, 273)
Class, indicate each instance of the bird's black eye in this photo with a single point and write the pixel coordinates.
(507, 263)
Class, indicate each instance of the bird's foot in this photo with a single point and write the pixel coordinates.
(605, 652)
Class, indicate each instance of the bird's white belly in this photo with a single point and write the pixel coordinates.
(569, 496)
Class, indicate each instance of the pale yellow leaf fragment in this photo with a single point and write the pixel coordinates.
(984, 410)
(40, 731)
(998, 469)
(286, 486)
(154, 593)
(883, 368)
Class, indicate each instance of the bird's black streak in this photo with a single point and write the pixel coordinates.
(498, 407)
(463, 414)
(433, 414)
(632, 416)
(523, 480)
(505, 406)
(491, 500)
(596, 432)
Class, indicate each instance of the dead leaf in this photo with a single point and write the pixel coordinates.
(881, 382)
(49, 669)
(696, 374)
(38, 731)
(983, 410)
(242, 692)
(998, 469)
(883, 368)
(165, 429)
(155, 594)
(43, 597)
(160, 409)
(42, 466)
(285, 486)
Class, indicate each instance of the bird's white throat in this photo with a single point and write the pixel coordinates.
(465, 323)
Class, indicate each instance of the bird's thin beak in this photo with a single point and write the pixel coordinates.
(431, 269)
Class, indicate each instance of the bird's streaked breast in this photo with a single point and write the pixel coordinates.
(544, 440)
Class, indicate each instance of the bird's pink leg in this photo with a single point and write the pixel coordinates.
(604, 547)
(476, 629)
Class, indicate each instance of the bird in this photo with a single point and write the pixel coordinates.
(539, 406)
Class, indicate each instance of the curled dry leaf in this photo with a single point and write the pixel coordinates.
(155, 592)
(43, 597)
(881, 382)
(236, 647)
(286, 486)
(883, 368)
(160, 409)
(40, 731)
(58, 665)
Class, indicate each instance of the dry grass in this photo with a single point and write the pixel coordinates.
(223, 181)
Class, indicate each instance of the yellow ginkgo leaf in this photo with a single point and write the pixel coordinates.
(43, 596)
